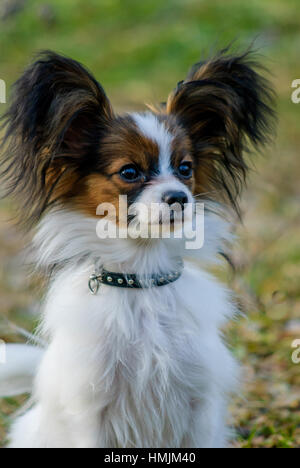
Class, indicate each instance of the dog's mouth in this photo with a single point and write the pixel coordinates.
(162, 221)
(171, 218)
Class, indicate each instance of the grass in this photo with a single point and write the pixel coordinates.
(139, 51)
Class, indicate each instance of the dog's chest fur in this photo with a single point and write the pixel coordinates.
(134, 363)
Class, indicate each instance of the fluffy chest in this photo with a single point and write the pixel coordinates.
(138, 360)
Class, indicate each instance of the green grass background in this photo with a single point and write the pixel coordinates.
(139, 50)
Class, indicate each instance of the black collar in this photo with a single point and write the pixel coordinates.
(120, 280)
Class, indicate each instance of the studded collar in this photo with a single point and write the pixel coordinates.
(132, 281)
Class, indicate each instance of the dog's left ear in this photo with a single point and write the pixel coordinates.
(224, 104)
(56, 119)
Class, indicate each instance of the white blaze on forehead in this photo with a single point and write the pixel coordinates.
(155, 130)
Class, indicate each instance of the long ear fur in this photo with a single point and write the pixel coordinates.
(226, 106)
(52, 128)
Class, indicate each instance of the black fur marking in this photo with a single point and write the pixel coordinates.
(52, 131)
(226, 107)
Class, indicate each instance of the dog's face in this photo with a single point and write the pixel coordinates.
(146, 157)
(67, 147)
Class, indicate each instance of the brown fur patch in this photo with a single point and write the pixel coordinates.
(182, 152)
(123, 145)
(126, 144)
(224, 104)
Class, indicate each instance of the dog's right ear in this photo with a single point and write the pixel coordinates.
(226, 107)
(53, 125)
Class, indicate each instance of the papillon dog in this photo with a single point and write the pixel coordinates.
(134, 353)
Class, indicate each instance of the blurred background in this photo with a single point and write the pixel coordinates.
(139, 50)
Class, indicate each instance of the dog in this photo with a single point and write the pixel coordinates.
(135, 355)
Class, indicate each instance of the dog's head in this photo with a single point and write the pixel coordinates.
(66, 146)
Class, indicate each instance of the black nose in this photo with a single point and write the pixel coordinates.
(172, 197)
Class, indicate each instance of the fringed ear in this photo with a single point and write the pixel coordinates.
(226, 106)
(52, 128)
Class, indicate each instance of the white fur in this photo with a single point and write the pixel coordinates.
(129, 368)
(152, 128)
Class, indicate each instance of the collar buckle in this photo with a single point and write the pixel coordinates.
(94, 284)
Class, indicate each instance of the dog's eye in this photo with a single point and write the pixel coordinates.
(130, 173)
(185, 170)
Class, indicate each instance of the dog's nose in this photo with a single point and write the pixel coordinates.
(172, 197)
